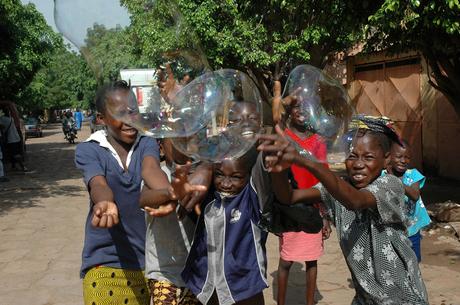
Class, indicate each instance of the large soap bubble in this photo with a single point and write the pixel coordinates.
(209, 115)
(150, 46)
(320, 106)
(231, 115)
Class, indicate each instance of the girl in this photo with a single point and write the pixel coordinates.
(112, 161)
(413, 181)
(302, 246)
(367, 210)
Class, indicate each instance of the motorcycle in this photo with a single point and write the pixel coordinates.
(70, 133)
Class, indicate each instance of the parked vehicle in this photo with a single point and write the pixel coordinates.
(33, 128)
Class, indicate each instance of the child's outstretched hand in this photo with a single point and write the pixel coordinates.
(181, 185)
(279, 152)
(162, 210)
(105, 214)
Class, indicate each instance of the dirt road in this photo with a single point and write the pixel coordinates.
(42, 216)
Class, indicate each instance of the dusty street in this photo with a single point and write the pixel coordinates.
(42, 216)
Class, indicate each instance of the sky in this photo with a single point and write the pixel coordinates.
(46, 7)
(74, 17)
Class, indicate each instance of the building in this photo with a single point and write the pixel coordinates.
(398, 87)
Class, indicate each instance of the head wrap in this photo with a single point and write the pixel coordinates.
(376, 124)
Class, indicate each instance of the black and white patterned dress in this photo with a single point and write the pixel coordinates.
(383, 266)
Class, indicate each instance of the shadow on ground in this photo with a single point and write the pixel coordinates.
(296, 287)
(52, 173)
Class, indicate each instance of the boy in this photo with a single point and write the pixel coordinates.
(227, 262)
(168, 243)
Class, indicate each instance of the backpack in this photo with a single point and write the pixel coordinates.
(279, 218)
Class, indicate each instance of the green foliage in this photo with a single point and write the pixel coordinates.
(431, 27)
(66, 82)
(416, 24)
(69, 80)
(27, 44)
(107, 51)
(265, 38)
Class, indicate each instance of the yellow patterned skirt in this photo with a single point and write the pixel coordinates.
(165, 293)
(113, 286)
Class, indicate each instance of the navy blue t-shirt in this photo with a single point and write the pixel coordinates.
(123, 245)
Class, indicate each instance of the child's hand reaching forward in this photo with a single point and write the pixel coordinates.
(280, 154)
(105, 214)
(181, 185)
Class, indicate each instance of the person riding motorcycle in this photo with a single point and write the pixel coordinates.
(69, 125)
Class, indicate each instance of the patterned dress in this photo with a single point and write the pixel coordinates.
(383, 266)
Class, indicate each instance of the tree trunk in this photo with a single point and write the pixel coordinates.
(266, 94)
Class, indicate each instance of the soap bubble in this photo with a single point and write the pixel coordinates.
(209, 115)
(150, 46)
(321, 107)
(231, 115)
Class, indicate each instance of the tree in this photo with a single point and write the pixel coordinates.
(431, 27)
(65, 82)
(107, 51)
(70, 79)
(27, 43)
(263, 38)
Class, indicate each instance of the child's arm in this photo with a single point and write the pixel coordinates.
(287, 195)
(153, 195)
(283, 155)
(157, 193)
(105, 211)
(412, 191)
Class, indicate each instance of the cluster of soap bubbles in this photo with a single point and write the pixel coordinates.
(209, 115)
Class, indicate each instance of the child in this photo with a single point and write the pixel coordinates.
(413, 181)
(167, 245)
(227, 262)
(302, 246)
(112, 162)
(367, 210)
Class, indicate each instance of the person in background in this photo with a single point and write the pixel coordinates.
(3, 139)
(413, 181)
(13, 140)
(302, 246)
(78, 116)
